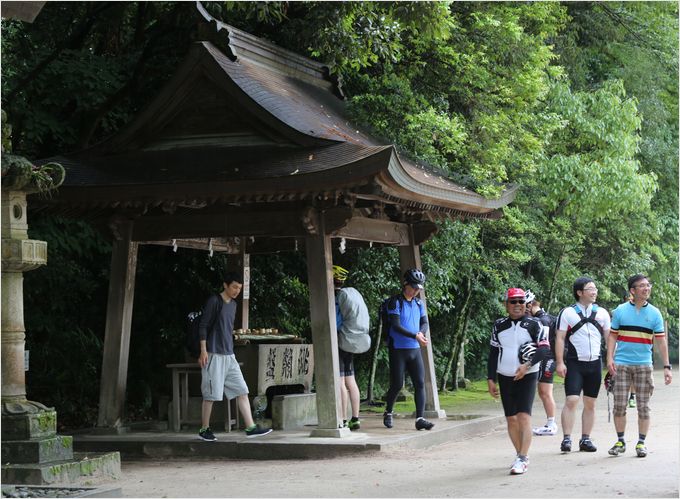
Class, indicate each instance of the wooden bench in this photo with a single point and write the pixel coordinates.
(180, 396)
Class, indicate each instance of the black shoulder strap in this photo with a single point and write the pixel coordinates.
(218, 308)
(585, 320)
(392, 300)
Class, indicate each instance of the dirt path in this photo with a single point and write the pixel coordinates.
(477, 467)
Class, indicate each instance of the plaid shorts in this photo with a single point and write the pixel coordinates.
(640, 378)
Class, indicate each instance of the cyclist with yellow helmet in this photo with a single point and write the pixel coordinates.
(352, 323)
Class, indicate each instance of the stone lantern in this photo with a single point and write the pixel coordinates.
(28, 428)
(20, 417)
(32, 452)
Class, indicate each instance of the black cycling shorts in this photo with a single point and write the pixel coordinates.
(583, 376)
(346, 361)
(517, 396)
(547, 370)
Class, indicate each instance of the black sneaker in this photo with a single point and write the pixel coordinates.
(206, 434)
(565, 446)
(586, 445)
(423, 424)
(619, 448)
(388, 419)
(257, 431)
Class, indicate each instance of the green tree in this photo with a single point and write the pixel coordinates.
(575, 103)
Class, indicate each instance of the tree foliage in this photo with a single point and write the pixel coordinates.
(575, 102)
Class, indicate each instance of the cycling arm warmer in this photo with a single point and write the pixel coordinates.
(492, 364)
(395, 323)
(424, 324)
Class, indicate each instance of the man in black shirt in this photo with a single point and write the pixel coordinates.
(547, 369)
(220, 372)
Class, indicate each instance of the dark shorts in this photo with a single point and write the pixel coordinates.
(583, 376)
(346, 361)
(517, 396)
(547, 370)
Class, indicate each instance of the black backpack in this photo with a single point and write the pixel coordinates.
(193, 338)
(383, 316)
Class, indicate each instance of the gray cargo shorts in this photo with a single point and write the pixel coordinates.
(222, 377)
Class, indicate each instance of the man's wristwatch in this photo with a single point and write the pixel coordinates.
(668, 366)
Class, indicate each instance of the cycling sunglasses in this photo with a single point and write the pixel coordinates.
(515, 302)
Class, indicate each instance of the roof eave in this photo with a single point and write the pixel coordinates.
(398, 183)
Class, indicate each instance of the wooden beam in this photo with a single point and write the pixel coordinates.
(245, 296)
(279, 223)
(378, 231)
(422, 231)
(255, 246)
(218, 245)
(117, 332)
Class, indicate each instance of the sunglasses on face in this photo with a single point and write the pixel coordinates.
(515, 302)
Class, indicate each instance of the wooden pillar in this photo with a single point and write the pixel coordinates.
(409, 257)
(324, 334)
(245, 294)
(117, 333)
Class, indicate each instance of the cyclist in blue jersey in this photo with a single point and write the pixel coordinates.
(408, 331)
(636, 326)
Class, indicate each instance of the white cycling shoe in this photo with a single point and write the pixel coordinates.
(519, 467)
(545, 430)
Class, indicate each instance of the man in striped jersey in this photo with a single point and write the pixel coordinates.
(636, 324)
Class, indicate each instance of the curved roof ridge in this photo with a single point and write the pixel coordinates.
(244, 45)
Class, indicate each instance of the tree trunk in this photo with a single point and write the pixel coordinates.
(554, 278)
(374, 362)
(459, 327)
(460, 345)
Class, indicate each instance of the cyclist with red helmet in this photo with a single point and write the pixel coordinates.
(518, 344)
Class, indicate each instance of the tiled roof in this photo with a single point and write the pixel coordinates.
(308, 143)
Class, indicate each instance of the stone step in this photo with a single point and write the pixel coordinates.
(60, 491)
(29, 426)
(64, 472)
(44, 450)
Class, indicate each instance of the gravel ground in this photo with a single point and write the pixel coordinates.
(477, 467)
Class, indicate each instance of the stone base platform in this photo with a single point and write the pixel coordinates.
(373, 437)
(81, 467)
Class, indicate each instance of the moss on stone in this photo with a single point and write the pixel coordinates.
(47, 420)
